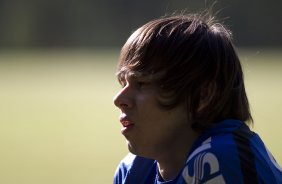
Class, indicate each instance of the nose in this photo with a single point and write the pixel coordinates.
(122, 99)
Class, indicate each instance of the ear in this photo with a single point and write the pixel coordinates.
(207, 94)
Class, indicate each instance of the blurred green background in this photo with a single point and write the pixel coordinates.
(58, 123)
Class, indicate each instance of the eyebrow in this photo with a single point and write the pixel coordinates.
(127, 73)
(122, 75)
(132, 74)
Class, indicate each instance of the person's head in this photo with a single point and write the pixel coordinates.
(193, 61)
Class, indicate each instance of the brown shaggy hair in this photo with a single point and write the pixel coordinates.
(199, 66)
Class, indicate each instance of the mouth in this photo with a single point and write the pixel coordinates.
(127, 125)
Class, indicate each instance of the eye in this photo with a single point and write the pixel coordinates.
(142, 83)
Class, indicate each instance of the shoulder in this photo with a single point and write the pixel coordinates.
(215, 160)
(237, 156)
(133, 168)
(216, 157)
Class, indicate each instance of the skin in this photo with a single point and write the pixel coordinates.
(150, 131)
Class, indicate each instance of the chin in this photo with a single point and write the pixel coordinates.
(131, 148)
(134, 150)
(138, 152)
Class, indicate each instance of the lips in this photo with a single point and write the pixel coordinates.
(124, 120)
(126, 123)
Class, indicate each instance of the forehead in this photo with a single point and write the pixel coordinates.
(140, 53)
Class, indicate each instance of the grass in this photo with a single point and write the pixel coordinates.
(58, 123)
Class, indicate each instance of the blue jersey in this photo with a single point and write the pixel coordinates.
(227, 153)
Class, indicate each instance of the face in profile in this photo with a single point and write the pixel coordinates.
(149, 129)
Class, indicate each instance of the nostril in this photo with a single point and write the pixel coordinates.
(123, 105)
(120, 101)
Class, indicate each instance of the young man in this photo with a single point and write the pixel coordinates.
(184, 109)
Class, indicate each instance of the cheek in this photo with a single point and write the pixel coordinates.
(147, 102)
(175, 119)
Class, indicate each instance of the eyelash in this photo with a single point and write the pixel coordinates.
(138, 83)
(141, 83)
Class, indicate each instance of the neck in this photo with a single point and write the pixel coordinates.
(170, 170)
(173, 161)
